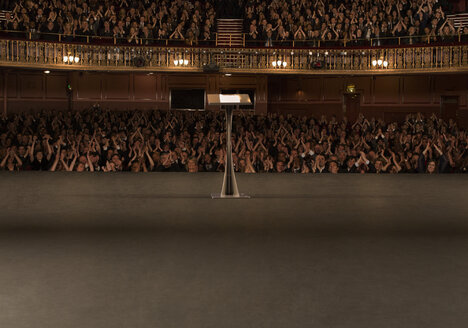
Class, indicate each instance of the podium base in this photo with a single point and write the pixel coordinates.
(219, 196)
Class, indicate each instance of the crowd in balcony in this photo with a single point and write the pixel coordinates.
(351, 22)
(127, 21)
(266, 23)
(164, 141)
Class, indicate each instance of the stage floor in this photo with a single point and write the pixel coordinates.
(154, 250)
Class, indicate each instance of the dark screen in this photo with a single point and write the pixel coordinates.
(187, 99)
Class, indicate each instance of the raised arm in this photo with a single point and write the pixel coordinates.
(58, 156)
(3, 163)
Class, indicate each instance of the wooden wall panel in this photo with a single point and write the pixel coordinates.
(239, 81)
(333, 88)
(389, 97)
(2, 81)
(55, 85)
(31, 85)
(312, 88)
(12, 85)
(144, 87)
(417, 89)
(163, 86)
(182, 81)
(363, 85)
(116, 86)
(449, 83)
(88, 86)
(387, 90)
(289, 89)
(262, 89)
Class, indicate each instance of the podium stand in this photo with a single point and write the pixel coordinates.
(229, 103)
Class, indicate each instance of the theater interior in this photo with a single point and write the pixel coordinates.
(351, 160)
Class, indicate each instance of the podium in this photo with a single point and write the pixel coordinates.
(229, 103)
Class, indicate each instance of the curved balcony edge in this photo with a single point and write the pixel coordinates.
(375, 61)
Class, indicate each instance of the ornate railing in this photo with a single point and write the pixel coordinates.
(54, 55)
(414, 40)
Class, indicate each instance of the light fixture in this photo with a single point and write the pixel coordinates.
(228, 74)
(310, 53)
(181, 62)
(46, 72)
(326, 53)
(379, 63)
(70, 59)
(279, 63)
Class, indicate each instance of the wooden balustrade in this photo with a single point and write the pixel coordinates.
(39, 54)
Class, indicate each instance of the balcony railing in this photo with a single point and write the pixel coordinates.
(41, 54)
(435, 40)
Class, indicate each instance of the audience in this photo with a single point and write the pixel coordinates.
(266, 23)
(350, 21)
(132, 22)
(136, 141)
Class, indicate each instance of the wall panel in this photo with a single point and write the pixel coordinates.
(88, 86)
(386, 89)
(116, 86)
(417, 89)
(144, 87)
(363, 85)
(55, 85)
(31, 85)
(389, 97)
(333, 88)
(312, 88)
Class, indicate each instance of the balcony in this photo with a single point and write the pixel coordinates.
(325, 60)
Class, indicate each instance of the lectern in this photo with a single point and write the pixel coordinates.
(229, 103)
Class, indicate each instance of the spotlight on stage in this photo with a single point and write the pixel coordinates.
(229, 103)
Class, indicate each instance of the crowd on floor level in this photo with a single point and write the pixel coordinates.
(265, 22)
(167, 141)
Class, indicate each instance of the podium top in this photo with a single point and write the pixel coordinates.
(236, 99)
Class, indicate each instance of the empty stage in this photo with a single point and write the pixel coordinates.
(154, 250)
